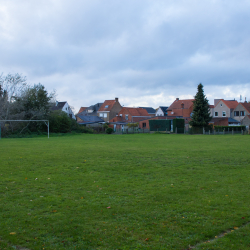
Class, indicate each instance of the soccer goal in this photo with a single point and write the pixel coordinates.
(45, 121)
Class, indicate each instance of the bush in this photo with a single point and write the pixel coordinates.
(59, 122)
(109, 130)
(178, 123)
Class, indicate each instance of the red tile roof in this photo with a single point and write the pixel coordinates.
(108, 104)
(229, 104)
(177, 104)
(246, 105)
(81, 109)
(135, 111)
(180, 112)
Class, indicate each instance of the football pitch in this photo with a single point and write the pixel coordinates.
(140, 191)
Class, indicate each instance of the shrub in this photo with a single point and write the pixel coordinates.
(109, 130)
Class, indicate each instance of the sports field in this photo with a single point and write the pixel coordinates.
(147, 191)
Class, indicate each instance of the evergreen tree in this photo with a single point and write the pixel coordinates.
(201, 116)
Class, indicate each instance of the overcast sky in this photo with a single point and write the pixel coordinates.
(147, 53)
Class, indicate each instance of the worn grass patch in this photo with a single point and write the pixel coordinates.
(147, 191)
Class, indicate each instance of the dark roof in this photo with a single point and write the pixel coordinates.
(163, 108)
(59, 106)
(232, 120)
(95, 108)
(149, 110)
(89, 118)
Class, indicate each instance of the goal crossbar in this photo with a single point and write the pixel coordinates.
(45, 121)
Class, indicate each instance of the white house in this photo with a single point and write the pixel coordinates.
(64, 106)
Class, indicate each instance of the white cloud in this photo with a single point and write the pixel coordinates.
(145, 52)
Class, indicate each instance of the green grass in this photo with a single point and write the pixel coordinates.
(147, 191)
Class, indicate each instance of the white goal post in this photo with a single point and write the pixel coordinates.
(45, 121)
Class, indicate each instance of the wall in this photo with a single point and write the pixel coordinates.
(220, 109)
(239, 108)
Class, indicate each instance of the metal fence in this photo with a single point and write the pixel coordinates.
(216, 131)
(184, 131)
(131, 131)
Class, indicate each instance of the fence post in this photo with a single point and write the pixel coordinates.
(203, 131)
(209, 131)
(223, 131)
(232, 131)
(214, 131)
(176, 130)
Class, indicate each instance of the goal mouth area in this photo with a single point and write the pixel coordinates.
(45, 121)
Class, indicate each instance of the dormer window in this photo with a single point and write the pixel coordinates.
(106, 106)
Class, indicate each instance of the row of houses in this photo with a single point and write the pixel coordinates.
(223, 112)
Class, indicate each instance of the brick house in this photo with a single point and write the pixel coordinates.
(224, 121)
(144, 124)
(181, 109)
(151, 111)
(109, 109)
(129, 115)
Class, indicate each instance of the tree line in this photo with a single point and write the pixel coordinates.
(21, 101)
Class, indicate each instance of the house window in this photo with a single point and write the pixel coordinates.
(223, 113)
(242, 113)
(236, 113)
(106, 106)
(144, 125)
(126, 117)
(100, 114)
(105, 115)
(221, 105)
(215, 113)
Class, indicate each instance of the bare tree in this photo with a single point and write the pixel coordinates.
(12, 86)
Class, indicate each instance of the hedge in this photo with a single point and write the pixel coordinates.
(160, 125)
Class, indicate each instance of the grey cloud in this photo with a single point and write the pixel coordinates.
(112, 47)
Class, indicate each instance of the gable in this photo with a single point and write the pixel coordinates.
(229, 104)
(108, 105)
(246, 106)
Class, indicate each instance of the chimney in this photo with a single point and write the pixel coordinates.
(116, 99)
(177, 99)
(182, 105)
(245, 100)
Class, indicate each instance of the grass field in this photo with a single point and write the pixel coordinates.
(147, 191)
